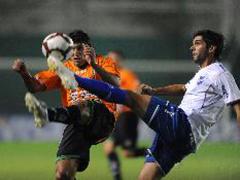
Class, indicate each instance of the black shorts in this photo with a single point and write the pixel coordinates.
(77, 139)
(125, 133)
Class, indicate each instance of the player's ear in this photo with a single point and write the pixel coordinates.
(212, 49)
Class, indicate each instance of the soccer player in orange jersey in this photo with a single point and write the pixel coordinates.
(125, 133)
(89, 119)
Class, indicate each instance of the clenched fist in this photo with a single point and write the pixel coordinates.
(146, 89)
(19, 66)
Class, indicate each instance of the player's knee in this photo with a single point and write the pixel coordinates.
(138, 103)
(108, 147)
(151, 171)
(130, 100)
(143, 176)
(65, 172)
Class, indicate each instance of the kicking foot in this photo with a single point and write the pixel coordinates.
(38, 108)
(66, 76)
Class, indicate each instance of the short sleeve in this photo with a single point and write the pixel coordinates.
(49, 79)
(228, 87)
(187, 84)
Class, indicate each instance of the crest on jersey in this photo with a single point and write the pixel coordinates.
(200, 80)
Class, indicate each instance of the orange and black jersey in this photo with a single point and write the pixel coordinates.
(71, 97)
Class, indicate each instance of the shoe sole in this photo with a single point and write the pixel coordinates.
(66, 76)
(33, 106)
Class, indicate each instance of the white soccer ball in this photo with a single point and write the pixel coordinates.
(57, 42)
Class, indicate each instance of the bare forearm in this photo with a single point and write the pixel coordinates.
(107, 77)
(31, 83)
(175, 89)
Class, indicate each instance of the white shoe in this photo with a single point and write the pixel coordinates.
(38, 108)
(66, 76)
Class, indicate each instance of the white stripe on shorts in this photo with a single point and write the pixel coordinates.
(153, 115)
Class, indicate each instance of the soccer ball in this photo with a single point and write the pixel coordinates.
(59, 43)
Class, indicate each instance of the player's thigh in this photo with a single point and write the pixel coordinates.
(150, 171)
(74, 146)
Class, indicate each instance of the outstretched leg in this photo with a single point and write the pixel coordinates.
(138, 103)
(77, 114)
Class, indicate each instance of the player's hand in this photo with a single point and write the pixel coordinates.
(145, 89)
(89, 53)
(19, 66)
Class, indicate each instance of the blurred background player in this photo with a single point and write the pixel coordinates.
(125, 133)
(88, 119)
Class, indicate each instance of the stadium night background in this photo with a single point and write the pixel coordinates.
(155, 37)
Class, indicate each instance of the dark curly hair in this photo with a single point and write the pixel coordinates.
(212, 38)
(79, 36)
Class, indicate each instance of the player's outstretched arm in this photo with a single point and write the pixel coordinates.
(31, 83)
(174, 89)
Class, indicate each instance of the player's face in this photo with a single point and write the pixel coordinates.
(199, 50)
(77, 56)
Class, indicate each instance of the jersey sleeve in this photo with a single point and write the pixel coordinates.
(49, 79)
(109, 65)
(228, 87)
(129, 80)
(187, 84)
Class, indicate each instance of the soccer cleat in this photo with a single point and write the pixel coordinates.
(66, 76)
(38, 108)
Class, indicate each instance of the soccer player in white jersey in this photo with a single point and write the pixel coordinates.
(179, 129)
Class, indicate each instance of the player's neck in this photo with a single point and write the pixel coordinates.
(207, 62)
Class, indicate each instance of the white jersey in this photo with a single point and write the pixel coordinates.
(206, 95)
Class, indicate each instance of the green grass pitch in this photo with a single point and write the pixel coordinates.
(35, 161)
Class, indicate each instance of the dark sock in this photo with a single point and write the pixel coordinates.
(115, 165)
(67, 115)
(103, 90)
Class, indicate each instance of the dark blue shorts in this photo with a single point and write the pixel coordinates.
(174, 139)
